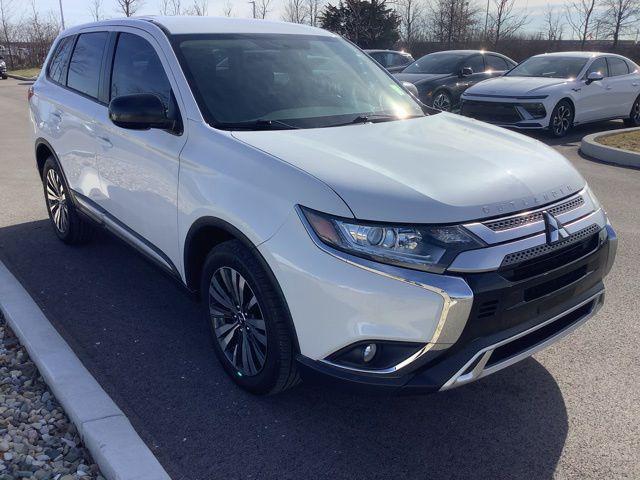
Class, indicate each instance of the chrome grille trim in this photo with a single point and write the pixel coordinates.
(531, 222)
(522, 219)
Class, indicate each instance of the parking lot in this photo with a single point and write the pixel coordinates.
(569, 412)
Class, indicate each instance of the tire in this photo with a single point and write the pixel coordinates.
(442, 101)
(260, 321)
(634, 115)
(561, 119)
(69, 226)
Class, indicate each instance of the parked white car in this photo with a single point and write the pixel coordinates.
(556, 91)
(330, 226)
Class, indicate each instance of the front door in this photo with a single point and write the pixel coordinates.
(139, 168)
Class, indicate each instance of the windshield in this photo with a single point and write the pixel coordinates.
(436, 63)
(255, 81)
(551, 67)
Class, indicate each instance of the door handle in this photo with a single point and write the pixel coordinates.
(608, 88)
(105, 142)
(57, 114)
(635, 84)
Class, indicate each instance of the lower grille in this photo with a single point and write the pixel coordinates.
(493, 112)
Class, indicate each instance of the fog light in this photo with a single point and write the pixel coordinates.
(368, 352)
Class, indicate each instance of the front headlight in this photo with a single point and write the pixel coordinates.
(421, 247)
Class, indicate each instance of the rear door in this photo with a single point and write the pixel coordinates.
(624, 87)
(139, 168)
(74, 104)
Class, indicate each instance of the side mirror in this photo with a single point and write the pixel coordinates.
(594, 77)
(411, 88)
(466, 71)
(140, 111)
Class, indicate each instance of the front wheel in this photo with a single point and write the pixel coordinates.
(442, 101)
(248, 320)
(634, 115)
(561, 119)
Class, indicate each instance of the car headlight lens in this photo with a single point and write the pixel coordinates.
(536, 110)
(422, 247)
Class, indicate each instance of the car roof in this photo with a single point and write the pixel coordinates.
(469, 52)
(574, 54)
(178, 25)
(379, 50)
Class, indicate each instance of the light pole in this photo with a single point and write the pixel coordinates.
(61, 14)
(253, 4)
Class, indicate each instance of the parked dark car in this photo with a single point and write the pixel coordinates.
(441, 77)
(392, 60)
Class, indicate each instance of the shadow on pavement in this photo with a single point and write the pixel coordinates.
(142, 338)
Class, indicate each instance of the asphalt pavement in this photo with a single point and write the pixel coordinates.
(572, 411)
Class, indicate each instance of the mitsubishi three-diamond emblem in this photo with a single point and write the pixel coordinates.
(554, 229)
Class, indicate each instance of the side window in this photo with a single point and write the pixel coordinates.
(617, 66)
(379, 57)
(137, 69)
(496, 64)
(86, 60)
(599, 65)
(58, 64)
(398, 60)
(476, 63)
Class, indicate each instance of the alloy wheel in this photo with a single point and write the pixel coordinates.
(237, 321)
(635, 112)
(562, 120)
(57, 201)
(442, 102)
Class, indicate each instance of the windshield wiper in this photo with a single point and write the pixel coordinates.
(374, 118)
(259, 124)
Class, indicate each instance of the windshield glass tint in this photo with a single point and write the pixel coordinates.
(301, 81)
(436, 63)
(551, 67)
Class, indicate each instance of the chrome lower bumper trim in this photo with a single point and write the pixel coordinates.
(481, 370)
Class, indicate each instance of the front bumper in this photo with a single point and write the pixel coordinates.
(504, 113)
(509, 321)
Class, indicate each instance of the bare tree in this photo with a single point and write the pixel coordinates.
(411, 16)
(39, 30)
(6, 15)
(295, 11)
(619, 16)
(313, 12)
(227, 9)
(171, 7)
(506, 20)
(452, 21)
(579, 18)
(95, 9)
(199, 8)
(129, 7)
(552, 25)
(263, 8)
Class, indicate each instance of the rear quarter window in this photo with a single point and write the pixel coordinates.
(617, 66)
(57, 69)
(86, 62)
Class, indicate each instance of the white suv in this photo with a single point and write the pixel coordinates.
(333, 227)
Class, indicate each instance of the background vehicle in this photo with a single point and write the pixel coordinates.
(441, 77)
(3, 68)
(558, 90)
(393, 60)
(324, 218)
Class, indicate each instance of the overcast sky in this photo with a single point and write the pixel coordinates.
(77, 11)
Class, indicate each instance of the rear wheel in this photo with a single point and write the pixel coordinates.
(634, 115)
(248, 320)
(67, 223)
(561, 119)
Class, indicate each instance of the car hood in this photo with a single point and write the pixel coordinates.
(420, 77)
(437, 169)
(514, 86)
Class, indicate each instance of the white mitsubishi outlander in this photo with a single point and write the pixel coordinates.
(333, 227)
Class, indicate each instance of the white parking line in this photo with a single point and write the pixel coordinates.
(105, 430)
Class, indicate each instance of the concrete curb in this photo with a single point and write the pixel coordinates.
(24, 79)
(104, 429)
(592, 148)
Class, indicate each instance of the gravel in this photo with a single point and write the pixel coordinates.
(37, 440)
